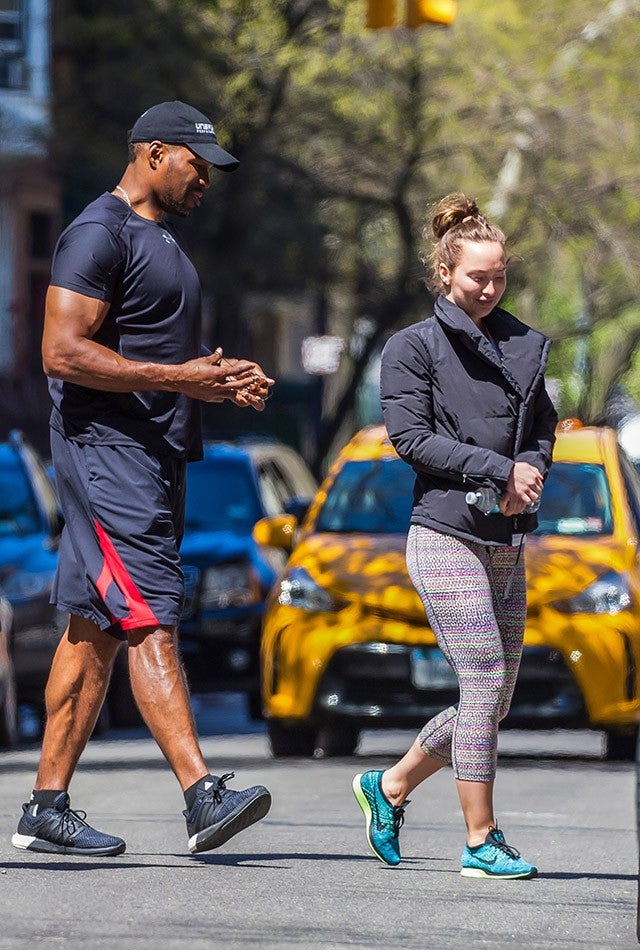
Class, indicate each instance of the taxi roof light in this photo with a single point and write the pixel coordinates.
(569, 424)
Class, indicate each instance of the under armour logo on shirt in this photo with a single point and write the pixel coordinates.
(168, 238)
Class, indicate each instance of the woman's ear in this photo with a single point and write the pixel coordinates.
(445, 274)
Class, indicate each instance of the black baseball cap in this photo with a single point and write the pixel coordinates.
(176, 123)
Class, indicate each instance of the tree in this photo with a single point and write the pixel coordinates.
(534, 114)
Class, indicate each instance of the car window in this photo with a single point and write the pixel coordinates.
(222, 495)
(298, 479)
(373, 496)
(274, 491)
(18, 510)
(43, 488)
(576, 500)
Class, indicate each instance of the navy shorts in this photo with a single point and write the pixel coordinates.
(118, 562)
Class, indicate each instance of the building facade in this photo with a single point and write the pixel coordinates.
(30, 214)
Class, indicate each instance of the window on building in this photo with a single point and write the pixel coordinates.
(12, 63)
(11, 26)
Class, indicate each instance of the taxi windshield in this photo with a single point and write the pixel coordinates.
(576, 500)
(373, 496)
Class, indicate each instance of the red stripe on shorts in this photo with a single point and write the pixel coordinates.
(140, 613)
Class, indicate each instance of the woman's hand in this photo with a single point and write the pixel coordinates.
(523, 487)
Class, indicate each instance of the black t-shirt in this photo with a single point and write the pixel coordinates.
(142, 268)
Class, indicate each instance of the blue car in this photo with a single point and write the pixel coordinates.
(30, 527)
(227, 575)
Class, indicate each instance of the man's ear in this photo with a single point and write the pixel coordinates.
(156, 152)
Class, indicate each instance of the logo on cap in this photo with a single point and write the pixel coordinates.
(204, 128)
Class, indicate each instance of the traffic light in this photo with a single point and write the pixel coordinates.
(380, 14)
(430, 11)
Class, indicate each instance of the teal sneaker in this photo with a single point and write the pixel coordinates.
(495, 858)
(384, 820)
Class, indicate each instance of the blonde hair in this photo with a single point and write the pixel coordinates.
(454, 219)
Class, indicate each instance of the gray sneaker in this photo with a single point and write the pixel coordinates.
(219, 813)
(60, 830)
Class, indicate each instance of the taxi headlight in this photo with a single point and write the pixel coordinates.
(609, 594)
(298, 589)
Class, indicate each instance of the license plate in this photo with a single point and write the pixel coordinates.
(430, 670)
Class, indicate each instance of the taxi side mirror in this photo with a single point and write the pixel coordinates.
(277, 532)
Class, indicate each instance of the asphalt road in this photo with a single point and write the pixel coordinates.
(304, 877)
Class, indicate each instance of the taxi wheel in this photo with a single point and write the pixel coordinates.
(291, 740)
(335, 741)
(621, 746)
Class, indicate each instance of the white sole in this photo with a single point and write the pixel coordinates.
(31, 843)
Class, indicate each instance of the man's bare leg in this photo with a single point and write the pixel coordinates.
(160, 689)
(214, 813)
(74, 695)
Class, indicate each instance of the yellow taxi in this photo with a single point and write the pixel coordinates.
(345, 642)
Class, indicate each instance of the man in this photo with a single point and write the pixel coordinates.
(121, 347)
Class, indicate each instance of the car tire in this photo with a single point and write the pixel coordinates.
(291, 740)
(254, 706)
(621, 746)
(9, 730)
(336, 741)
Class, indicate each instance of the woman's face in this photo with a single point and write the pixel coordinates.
(479, 279)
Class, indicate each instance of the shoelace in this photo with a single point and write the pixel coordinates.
(398, 816)
(71, 821)
(215, 792)
(497, 839)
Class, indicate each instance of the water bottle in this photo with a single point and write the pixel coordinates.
(487, 500)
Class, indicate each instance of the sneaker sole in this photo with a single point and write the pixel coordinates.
(361, 799)
(478, 872)
(216, 835)
(28, 843)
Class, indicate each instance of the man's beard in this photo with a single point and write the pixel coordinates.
(179, 208)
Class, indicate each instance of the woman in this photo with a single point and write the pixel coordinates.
(465, 405)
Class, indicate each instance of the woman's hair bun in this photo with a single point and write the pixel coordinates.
(451, 211)
(454, 220)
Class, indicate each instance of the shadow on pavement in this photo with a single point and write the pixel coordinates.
(242, 859)
(582, 875)
(76, 865)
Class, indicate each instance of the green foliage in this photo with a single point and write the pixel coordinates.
(346, 137)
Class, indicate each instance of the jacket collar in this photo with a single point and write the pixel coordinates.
(522, 349)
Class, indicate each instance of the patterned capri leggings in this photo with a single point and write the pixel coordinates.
(462, 585)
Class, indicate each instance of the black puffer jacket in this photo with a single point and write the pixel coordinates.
(460, 415)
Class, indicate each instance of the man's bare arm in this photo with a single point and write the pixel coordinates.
(69, 352)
